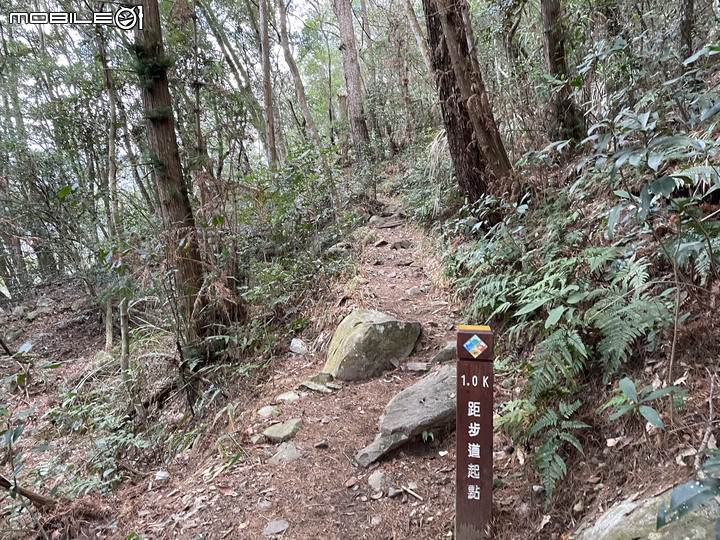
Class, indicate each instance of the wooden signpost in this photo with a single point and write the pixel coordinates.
(474, 479)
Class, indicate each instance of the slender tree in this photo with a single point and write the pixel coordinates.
(177, 215)
(267, 86)
(356, 113)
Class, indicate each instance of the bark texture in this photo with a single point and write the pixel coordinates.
(267, 87)
(177, 215)
(687, 20)
(351, 66)
(477, 152)
(567, 121)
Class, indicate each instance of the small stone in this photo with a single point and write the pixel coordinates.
(413, 486)
(19, 311)
(598, 487)
(79, 304)
(380, 243)
(257, 438)
(286, 452)
(538, 489)
(508, 383)
(44, 301)
(264, 503)
(288, 396)
(394, 492)
(417, 366)
(36, 313)
(12, 333)
(284, 431)
(351, 482)
(375, 520)
(162, 476)
(413, 291)
(298, 346)
(322, 378)
(402, 244)
(334, 386)
(376, 496)
(363, 498)
(447, 353)
(324, 420)
(269, 411)
(275, 527)
(316, 387)
(378, 480)
(450, 325)
(321, 444)
(579, 507)
(375, 221)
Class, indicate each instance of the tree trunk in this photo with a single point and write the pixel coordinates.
(267, 87)
(477, 152)
(112, 138)
(419, 38)
(351, 66)
(687, 19)
(299, 86)
(567, 121)
(175, 208)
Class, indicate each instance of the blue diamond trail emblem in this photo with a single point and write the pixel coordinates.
(475, 346)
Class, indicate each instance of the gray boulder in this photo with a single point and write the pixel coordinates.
(284, 431)
(445, 354)
(636, 520)
(428, 404)
(367, 343)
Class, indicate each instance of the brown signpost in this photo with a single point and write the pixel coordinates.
(474, 479)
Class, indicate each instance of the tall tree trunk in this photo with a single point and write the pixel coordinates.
(477, 152)
(567, 120)
(112, 137)
(267, 87)
(299, 86)
(419, 38)
(356, 114)
(177, 215)
(687, 20)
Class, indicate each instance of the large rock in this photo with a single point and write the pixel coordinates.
(367, 343)
(428, 404)
(636, 520)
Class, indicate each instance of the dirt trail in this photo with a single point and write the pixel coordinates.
(321, 494)
(312, 493)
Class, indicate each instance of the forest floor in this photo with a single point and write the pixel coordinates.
(322, 494)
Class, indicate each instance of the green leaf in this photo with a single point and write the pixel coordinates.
(627, 387)
(655, 160)
(652, 416)
(687, 497)
(659, 393)
(712, 111)
(576, 297)
(532, 306)
(621, 410)
(663, 186)
(613, 218)
(554, 316)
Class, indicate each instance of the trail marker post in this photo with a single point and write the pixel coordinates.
(474, 478)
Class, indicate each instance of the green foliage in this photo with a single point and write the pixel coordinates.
(627, 400)
(556, 430)
(691, 495)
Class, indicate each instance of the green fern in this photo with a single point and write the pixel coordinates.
(547, 460)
